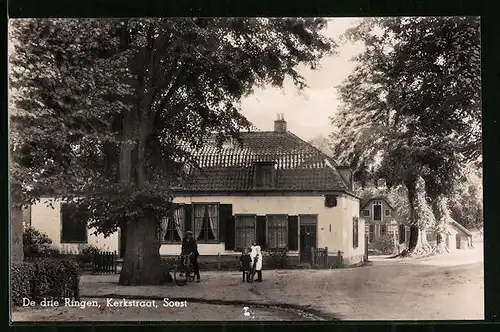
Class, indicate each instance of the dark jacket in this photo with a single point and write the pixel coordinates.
(189, 246)
(245, 262)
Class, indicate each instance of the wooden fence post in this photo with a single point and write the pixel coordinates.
(339, 255)
(115, 255)
(326, 257)
(218, 261)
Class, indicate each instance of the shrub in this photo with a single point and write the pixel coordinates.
(48, 278)
(36, 243)
(384, 244)
(278, 258)
(56, 279)
(87, 253)
(22, 278)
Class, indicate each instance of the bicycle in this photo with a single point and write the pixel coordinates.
(183, 272)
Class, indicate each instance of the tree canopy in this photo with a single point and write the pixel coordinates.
(411, 109)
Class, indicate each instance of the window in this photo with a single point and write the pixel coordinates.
(206, 222)
(377, 211)
(245, 231)
(264, 175)
(73, 224)
(366, 213)
(277, 231)
(173, 226)
(355, 236)
(387, 212)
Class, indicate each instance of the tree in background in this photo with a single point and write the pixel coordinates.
(411, 110)
(322, 143)
(114, 106)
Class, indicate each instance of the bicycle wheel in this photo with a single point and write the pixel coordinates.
(180, 275)
(190, 273)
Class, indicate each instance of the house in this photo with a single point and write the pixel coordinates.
(457, 237)
(381, 219)
(269, 186)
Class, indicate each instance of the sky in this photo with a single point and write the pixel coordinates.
(307, 112)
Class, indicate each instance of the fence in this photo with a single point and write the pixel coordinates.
(321, 259)
(104, 262)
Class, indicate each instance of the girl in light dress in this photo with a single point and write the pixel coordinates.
(256, 257)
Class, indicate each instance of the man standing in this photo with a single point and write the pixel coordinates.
(189, 246)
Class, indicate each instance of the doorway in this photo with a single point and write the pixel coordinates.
(308, 230)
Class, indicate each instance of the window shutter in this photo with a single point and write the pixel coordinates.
(293, 235)
(261, 231)
(225, 216)
(188, 209)
(230, 235)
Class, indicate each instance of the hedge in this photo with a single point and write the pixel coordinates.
(22, 282)
(49, 278)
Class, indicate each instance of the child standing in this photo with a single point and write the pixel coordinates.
(256, 257)
(245, 265)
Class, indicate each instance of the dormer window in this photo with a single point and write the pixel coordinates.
(264, 174)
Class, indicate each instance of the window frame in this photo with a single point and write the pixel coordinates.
(192, 221)
(377, 203)
(355, 232)
(257, 166)
(285, 230)
(387, 212)
(366, 213)
(236, 248)
(162, 241)
(61, 215)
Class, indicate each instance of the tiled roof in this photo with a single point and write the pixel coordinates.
(460, 227)
(364, 202)
(299, 165)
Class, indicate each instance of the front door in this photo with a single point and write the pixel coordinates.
(308, 230)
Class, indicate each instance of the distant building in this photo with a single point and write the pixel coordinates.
(381, 219)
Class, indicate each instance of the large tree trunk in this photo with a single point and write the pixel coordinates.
(419, 213)
(16, 224)
(442, 215)
(142, 265)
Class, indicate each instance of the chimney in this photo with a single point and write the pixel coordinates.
(280, 124)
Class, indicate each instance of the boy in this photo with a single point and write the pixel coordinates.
(245, 262)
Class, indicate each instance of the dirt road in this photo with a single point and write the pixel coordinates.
(438, 288)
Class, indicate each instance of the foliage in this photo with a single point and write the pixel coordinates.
(411, 108)
(466, 203)
(323, 144)
(56, 279)
(22, 278)
(36, 243)
(384, 244)
(87, 253)
(48, 278)
(277, 259)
